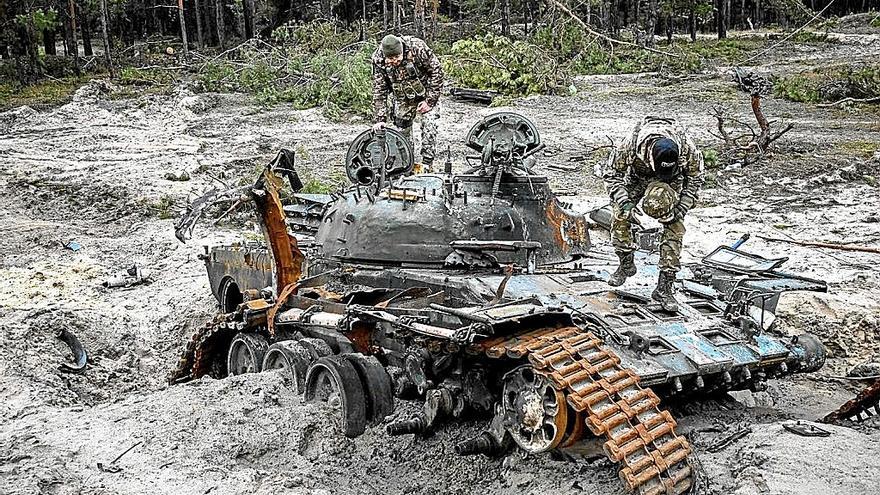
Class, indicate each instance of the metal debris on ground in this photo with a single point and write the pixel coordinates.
(112, 467)
(80, 358)
(475, 95)
(134, 275)
(729, 439)
(805, 429)
(73, 246)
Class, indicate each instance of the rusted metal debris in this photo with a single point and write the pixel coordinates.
(863, 406)
(481, 295)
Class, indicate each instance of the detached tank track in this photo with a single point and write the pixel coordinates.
(867, 399)
(609, 399)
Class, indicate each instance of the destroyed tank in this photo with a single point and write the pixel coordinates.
(480, 294)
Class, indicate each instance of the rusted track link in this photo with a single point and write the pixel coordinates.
(867, 399)
(199, 353)
(610, 400)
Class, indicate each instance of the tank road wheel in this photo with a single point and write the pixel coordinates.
(316, 347)
(293, 359)
(246, 354)
(535, 413)
(377, 386)
(334, 381)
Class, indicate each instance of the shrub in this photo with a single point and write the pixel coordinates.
(830, 84)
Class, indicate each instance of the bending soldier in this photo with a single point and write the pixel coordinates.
(407, 70)
(659, 162)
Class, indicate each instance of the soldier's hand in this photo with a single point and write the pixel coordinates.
(678, 213)
(424, 107)
(378, 126)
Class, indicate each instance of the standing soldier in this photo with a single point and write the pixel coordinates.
(408, 70)
(659, 162)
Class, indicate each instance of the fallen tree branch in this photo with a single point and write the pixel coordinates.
(875, 99)
(829, 245)
(609, 39)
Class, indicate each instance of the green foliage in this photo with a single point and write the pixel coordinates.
(551, 56)
(830, 84)
(317, 185)
(38, 20)
(875, 22)
(49, 92)
(710, 158)
(155, 76)
(161, 207)
(512, 67)
(310, 65)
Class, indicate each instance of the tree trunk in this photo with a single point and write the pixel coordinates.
(199, 37)
(384, 17)
(363, 34)
(651, 24)
(396, 13)
(742, 15)
(85, 27)
(726, 14)
(721, 18)
(74, 46)
(669, 28)
(105, 37)
(49, 41)
(759, 17)
(248, 19)
(182, 17)
(505, 17)
(418, 17)
(692, 24)
(221, 24)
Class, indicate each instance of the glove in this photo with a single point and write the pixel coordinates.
(678, 213)
(626, 209)
(378, 126)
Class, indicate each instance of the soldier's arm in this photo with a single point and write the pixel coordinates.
(380, 94)
(432, 66)
(614, 174)
(693, 178)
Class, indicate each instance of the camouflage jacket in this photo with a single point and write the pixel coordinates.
(418, 77)
(631, 162)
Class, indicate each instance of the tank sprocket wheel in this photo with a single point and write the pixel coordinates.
(377, 386)
(535, 412)
(246, 353)
(317, 348)
(334, 381)
(293, 359)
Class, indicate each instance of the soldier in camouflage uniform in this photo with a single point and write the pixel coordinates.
(658, 161)
(407, 70)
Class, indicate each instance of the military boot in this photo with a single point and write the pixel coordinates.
(626, 269)
(663, 292)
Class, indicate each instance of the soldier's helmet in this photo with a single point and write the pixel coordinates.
(659, 201)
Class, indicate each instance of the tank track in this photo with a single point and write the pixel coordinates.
(197, 356)
(608, 398)
(859, 408)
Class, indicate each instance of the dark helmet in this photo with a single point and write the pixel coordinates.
(664, 157)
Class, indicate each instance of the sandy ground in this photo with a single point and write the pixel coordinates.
(94, 171)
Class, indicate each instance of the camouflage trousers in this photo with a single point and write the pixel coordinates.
(405, 114)
(670, 240)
